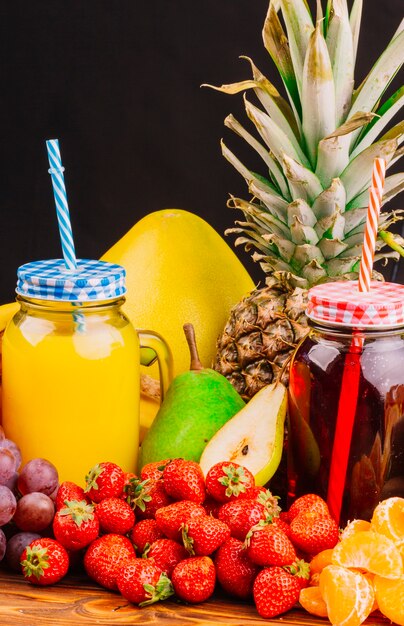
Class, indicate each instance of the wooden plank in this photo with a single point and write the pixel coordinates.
(78, 601)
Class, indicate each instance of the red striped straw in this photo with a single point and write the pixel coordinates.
(372, 222)
(352, 368)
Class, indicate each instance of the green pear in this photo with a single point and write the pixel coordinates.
(253, 437)
(197, 403)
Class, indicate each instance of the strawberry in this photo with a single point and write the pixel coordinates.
(194, 579)
(275, 591)
(225, 481)
(140, 581)
(44, 562)
(211, 506)
(270, 502)
(279, 522)
(301, 570)
(128, 476)
(204, 534)
(253, 493)
(268, 545)
(68, 491)
(115, 516)
(104, 480)
(166, 553)
(153, 470)
(312, 533)
(235, 572)
(170, 518)
(184, 480)
(309, 502)
(76, 526)
(146, 496)
(144, 533)
(241, 515)
(105, 556)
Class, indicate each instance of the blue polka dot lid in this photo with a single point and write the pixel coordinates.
(51, 280)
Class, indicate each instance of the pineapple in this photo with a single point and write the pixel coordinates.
(305, 219)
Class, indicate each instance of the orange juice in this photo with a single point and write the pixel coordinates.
(71, 385)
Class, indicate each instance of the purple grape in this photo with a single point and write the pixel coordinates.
(12, 483)
(54, 493)
(8, 505)
(35, 512)
(15, 547)
(3, 544)
(38, 475)
(7, 465)
(14, 449)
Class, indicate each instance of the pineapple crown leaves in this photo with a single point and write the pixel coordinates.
(35, 562)
(80, 511)
(234, 480)
(318, 143)
(163, 590)
(138, 493)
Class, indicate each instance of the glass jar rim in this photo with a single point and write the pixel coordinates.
(59, 306)
(349, 331)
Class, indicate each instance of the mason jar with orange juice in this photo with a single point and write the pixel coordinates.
(71, 368)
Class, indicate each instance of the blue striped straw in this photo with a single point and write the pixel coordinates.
(62, 209)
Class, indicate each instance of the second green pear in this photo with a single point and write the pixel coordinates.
(197, 404)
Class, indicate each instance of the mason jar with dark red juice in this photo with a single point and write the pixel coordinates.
(346, 399)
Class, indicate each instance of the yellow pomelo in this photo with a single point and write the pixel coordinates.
(179, 270)
(6, 313)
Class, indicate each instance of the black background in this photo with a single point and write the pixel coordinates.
(118, 82)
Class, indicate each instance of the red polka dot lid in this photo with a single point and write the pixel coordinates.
(342, 304)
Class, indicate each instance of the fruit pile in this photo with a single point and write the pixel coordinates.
(173, 531)
(168, 531)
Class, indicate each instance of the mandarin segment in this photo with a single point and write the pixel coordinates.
(369, 551)
(348, 595)
(388, 519)
(312, 601)
(390, 598)
(353, 527)
(370, 578)
(320, 560)
(318, 563)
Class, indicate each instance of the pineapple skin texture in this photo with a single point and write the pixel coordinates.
(261, 334)
(179, 270)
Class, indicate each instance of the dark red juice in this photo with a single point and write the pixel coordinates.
(372, 390)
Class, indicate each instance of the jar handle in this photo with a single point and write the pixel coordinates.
(153, 347)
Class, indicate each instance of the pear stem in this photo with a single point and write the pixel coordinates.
(191, 341)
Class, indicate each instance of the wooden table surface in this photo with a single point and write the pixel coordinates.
(76, 600)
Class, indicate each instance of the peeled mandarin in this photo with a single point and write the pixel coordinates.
(348, 595)
(369, 551)
(312, 601)
(320, 560)
(388, 519)
(370, 578)
(390, 598)
(354, 526)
